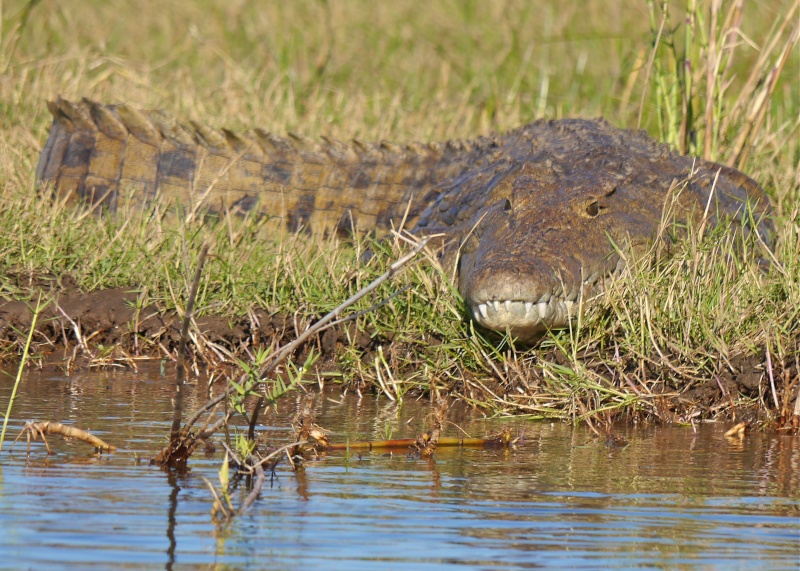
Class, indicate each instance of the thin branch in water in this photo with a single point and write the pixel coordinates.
(34, 430)
(257, 485)
(36, 311)
(181, 368)
(500, 440)
(180, 445)
(323, 323)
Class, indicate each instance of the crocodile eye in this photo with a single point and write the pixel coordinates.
(507, 206)
(598, 206)
(594, 209)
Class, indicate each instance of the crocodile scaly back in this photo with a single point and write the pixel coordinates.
(117, 158)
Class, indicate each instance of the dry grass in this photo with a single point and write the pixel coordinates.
(724, 86)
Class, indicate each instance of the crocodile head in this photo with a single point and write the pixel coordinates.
(529, 264)
(557, 218)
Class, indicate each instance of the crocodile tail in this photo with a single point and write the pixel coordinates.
(120, 159)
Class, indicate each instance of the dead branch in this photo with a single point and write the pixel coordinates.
(257, 485)
(182, 442)
(178, 449)
(35, 430)
(497, 440)
(323, 323)
(318, 327)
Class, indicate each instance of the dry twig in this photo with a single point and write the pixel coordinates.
(34, 430)
(179, 447)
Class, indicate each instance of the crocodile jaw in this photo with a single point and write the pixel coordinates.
(527, 291)
(524, 320)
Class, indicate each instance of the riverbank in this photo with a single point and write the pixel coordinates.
(661, 343)
(709, 328)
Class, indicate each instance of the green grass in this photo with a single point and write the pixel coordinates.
(434, 71)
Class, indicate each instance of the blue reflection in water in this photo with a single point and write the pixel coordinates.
(562, 499)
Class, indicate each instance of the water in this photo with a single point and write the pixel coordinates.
(673, 498)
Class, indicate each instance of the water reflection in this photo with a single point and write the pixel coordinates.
(562, 499)
(172, 480)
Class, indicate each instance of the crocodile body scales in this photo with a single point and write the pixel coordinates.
(533, 219)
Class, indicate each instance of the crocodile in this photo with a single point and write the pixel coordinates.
(532, 222)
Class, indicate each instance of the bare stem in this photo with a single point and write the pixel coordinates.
(177, 399)
(37, 310)
(257, 485)
(323, 323)
(363, 292)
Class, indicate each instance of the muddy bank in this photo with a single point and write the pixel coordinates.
(104, 326)
(114, 327)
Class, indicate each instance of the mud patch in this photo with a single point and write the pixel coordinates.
(117, 327)
(114, 327)
(113, 324)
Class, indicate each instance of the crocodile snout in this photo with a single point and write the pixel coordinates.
(524, 295)
(523, 303)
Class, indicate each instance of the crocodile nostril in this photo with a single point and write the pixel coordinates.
(507, 206)
(593, 209)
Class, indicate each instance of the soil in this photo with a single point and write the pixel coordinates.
(107, 327)
(98, 327)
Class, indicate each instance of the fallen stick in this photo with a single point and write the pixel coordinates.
(319, 326)
(327, 321)
(36, 429)
(499, 440)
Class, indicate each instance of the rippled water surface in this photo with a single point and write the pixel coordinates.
(673, 498)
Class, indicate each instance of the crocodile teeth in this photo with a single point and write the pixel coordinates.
(507, 304)
(542, 307)
(482, 310)
(569, 305)
(496, 305)
(528, 307)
